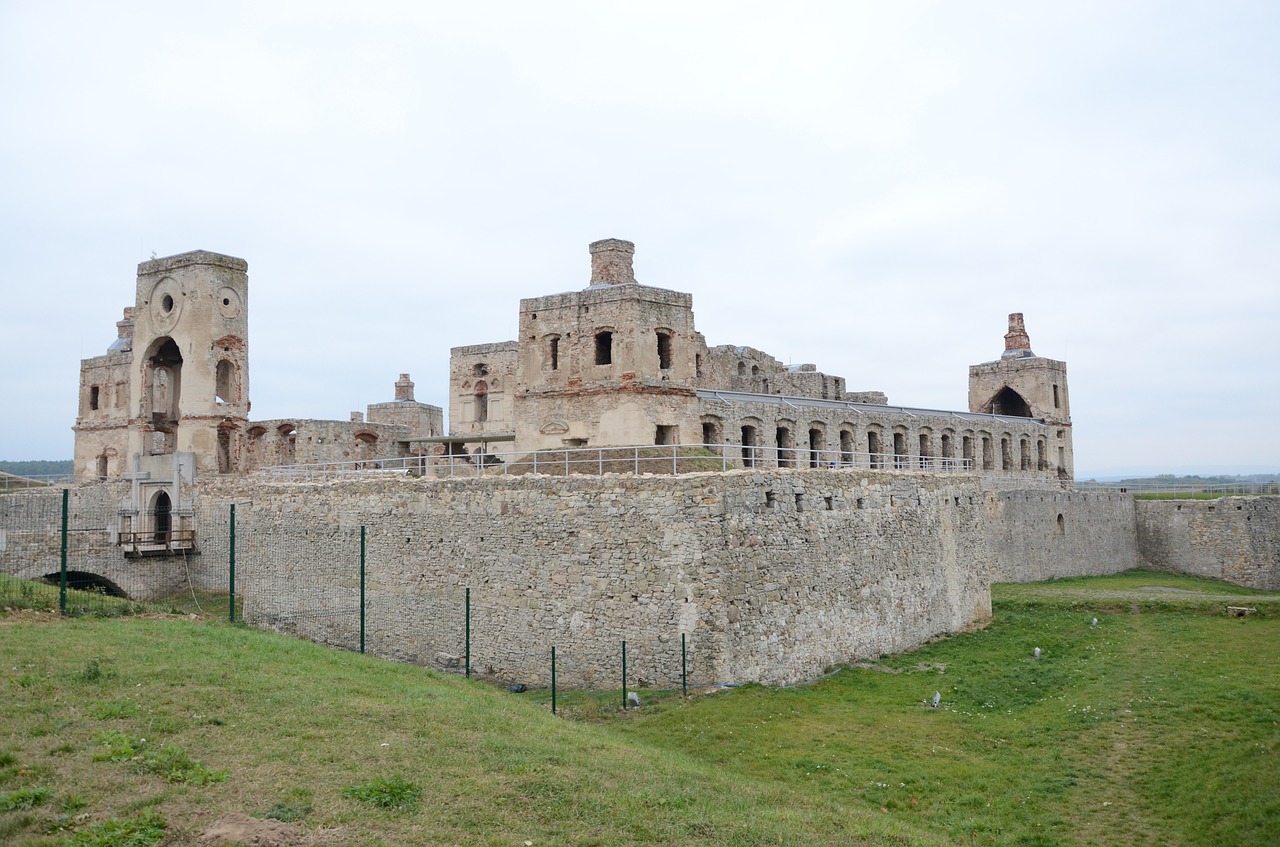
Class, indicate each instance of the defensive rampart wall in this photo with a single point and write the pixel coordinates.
(1236, 539)
(769, 576)
(1036, 535)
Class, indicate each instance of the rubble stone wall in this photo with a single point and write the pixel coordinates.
(1236, 539)
(1037, 535)
(769, 576)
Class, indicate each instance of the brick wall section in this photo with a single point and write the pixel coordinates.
(1037, 535)
(1236, 539)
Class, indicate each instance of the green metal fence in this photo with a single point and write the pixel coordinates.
(61, 554)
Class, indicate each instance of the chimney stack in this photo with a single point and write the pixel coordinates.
(1016, 340)
(124, 326)
(611, 262)
(404, 388)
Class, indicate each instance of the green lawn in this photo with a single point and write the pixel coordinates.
(1161, 725)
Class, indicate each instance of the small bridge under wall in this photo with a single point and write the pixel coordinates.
(98, 558)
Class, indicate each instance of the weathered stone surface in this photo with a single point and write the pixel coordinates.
(1232, 538)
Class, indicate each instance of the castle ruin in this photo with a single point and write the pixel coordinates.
(835, 526)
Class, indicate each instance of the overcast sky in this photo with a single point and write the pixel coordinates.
(870, 187)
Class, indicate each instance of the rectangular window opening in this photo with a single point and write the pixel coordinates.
(604, 348)
(664, 350)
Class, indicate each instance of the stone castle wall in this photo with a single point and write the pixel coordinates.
(1037, 535)
(770, 575)
(1236, 539)
(31, 544)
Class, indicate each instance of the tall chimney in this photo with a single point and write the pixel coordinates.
(611, 262)
(1016, 340)
(124, 326)
(404, 388)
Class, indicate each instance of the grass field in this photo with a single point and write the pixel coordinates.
(1158, 726)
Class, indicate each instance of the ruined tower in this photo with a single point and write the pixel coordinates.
(174, 387)
(611, 364)
(1021, 384)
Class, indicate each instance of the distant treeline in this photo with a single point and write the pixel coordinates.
(1173, 479)
(38, 468)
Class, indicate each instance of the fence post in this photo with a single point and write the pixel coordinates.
(62, 580)
(684, 670)
(553, 679)
(361, 588)
(624, 672)
(467, 663)
(231, 606)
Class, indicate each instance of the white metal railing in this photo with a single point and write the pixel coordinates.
(12, 482)
(595, 461)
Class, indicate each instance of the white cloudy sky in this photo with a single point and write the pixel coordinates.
(871, 187)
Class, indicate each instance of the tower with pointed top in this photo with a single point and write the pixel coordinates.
(1021, 384)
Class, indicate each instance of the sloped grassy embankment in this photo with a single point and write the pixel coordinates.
(1160, 725)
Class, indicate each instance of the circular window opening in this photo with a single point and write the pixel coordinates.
(167, 303)
(226, 301)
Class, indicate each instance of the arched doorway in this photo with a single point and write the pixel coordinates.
(162, 521)
(1009, 402)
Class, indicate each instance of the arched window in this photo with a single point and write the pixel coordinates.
(253, 448)
(366, 446)
(712, 431)
(817, 444)
(165, 372)
(664, 349)
(288, 450)
(750, 441)
(226, 390)
(899, 449)
(162, 520)
(1009, 402)
(786, 443)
